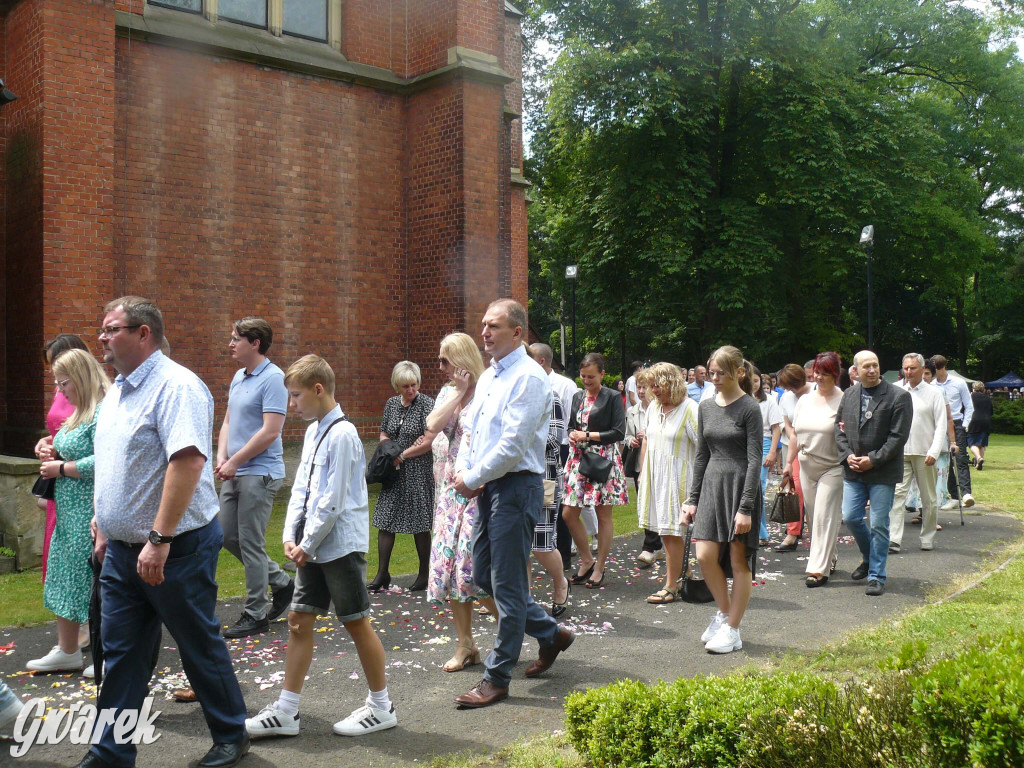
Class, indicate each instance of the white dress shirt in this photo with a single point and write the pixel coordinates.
(507, 424)
(928, 428)
(338, 511)
(958, 396)
(565, 388)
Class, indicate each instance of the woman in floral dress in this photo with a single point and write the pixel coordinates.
(68, 577)
(597, 423)
(451, 553)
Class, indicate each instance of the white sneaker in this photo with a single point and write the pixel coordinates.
(90, 672)
(8, 717)
(647, 559)
(366, 719)
(714, 626)
(272, 722)
(950, 505)
(968, 500)
(57, 661)
(726, 640)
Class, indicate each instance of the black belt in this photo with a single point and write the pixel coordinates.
(522, 472)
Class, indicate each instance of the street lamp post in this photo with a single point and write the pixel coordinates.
(571, 271)
(867, 242)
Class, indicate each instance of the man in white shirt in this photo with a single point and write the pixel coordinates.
(565, 388)
(503, 466)
(960, 403)
(927, 439)
(632, 398)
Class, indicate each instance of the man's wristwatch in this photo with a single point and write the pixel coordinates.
(155, 537)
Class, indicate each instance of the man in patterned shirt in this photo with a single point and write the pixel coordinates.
(158, 536)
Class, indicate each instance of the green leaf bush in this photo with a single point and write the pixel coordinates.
(1007, 416)
(966, 711)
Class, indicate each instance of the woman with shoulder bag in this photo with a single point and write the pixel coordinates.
(593, 473)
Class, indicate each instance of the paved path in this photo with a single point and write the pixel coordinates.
(621, 636)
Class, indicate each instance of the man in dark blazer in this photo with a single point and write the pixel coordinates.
(872, 426)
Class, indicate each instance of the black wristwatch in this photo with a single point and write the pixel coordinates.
(156, 538)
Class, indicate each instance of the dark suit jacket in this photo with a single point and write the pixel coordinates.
(608, 416)
(880, 436)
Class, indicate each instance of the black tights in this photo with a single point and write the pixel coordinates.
(386, 544)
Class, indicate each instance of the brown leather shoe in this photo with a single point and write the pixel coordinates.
(483, 694)
(549, 653)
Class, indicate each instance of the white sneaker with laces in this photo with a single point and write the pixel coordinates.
(366, 719)
(272, 721)
(950, 505)
(57, 661)
(90, 672)
(648, 559)
(716, 624)
(968, 500)
(726, 640)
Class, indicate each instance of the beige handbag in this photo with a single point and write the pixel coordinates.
(549, 492)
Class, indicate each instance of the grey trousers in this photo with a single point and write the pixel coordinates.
(246, 502)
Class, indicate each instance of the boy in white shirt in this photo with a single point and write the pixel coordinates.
(326, 535)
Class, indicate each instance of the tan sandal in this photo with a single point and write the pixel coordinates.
(185, 695)
(455, 664)
(663, 597)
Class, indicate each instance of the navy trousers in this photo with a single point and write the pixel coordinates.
(507, 511)
(185, 603)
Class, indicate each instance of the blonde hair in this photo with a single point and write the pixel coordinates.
(308, 371)
(669, 378)
(90, 380)
(404, 372)
(978, 386)
(462, 352)
(733, 365)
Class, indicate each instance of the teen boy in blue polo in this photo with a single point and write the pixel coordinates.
(250, 462)
(327, 534)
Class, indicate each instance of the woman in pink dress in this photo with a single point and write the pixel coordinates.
(59, 411)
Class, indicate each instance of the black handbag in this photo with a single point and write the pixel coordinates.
(595, 467)
(630, 459)
(786, 507)
(43, 487)
(692, 590)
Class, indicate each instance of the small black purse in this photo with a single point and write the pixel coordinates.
(595, 467)
(43, 487)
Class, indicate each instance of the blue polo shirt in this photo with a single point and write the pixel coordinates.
(252, 395)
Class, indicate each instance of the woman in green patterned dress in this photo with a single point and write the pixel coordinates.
(70, 461)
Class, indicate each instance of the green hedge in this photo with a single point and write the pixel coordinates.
(964, 711)
(1007, 416)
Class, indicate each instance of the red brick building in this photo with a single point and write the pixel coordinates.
(348, 169)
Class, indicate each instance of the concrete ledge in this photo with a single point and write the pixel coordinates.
(22, 522)
(15, 465)
(257, 46)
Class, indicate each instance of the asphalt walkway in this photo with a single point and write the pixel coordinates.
(620, 637)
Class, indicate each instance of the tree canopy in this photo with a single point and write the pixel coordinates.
(709, 165)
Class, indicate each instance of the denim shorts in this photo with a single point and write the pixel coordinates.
(341, 581)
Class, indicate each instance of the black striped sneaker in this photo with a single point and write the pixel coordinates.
(272, 722)
(366, 719)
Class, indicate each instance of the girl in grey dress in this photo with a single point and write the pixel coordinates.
(725, 497)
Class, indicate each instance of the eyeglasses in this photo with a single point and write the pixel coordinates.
(63, 384)
(443, 361)
(110, 330)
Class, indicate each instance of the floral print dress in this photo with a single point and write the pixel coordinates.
(451, 552)
(579, 491)
(68, 576)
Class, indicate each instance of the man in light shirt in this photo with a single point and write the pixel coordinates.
(503, 465)
(565, 388)
(927, 439)
(960, 403)
(700, 384)
(632, 398)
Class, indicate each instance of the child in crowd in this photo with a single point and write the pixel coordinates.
(326, 534)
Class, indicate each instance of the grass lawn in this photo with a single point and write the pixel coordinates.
(21, 594)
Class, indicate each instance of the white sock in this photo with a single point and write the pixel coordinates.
(289, 702)
(379, 700)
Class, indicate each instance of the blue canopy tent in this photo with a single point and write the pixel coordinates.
(1009, 380)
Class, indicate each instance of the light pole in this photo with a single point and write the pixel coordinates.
(867, 242)
(571, 271)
